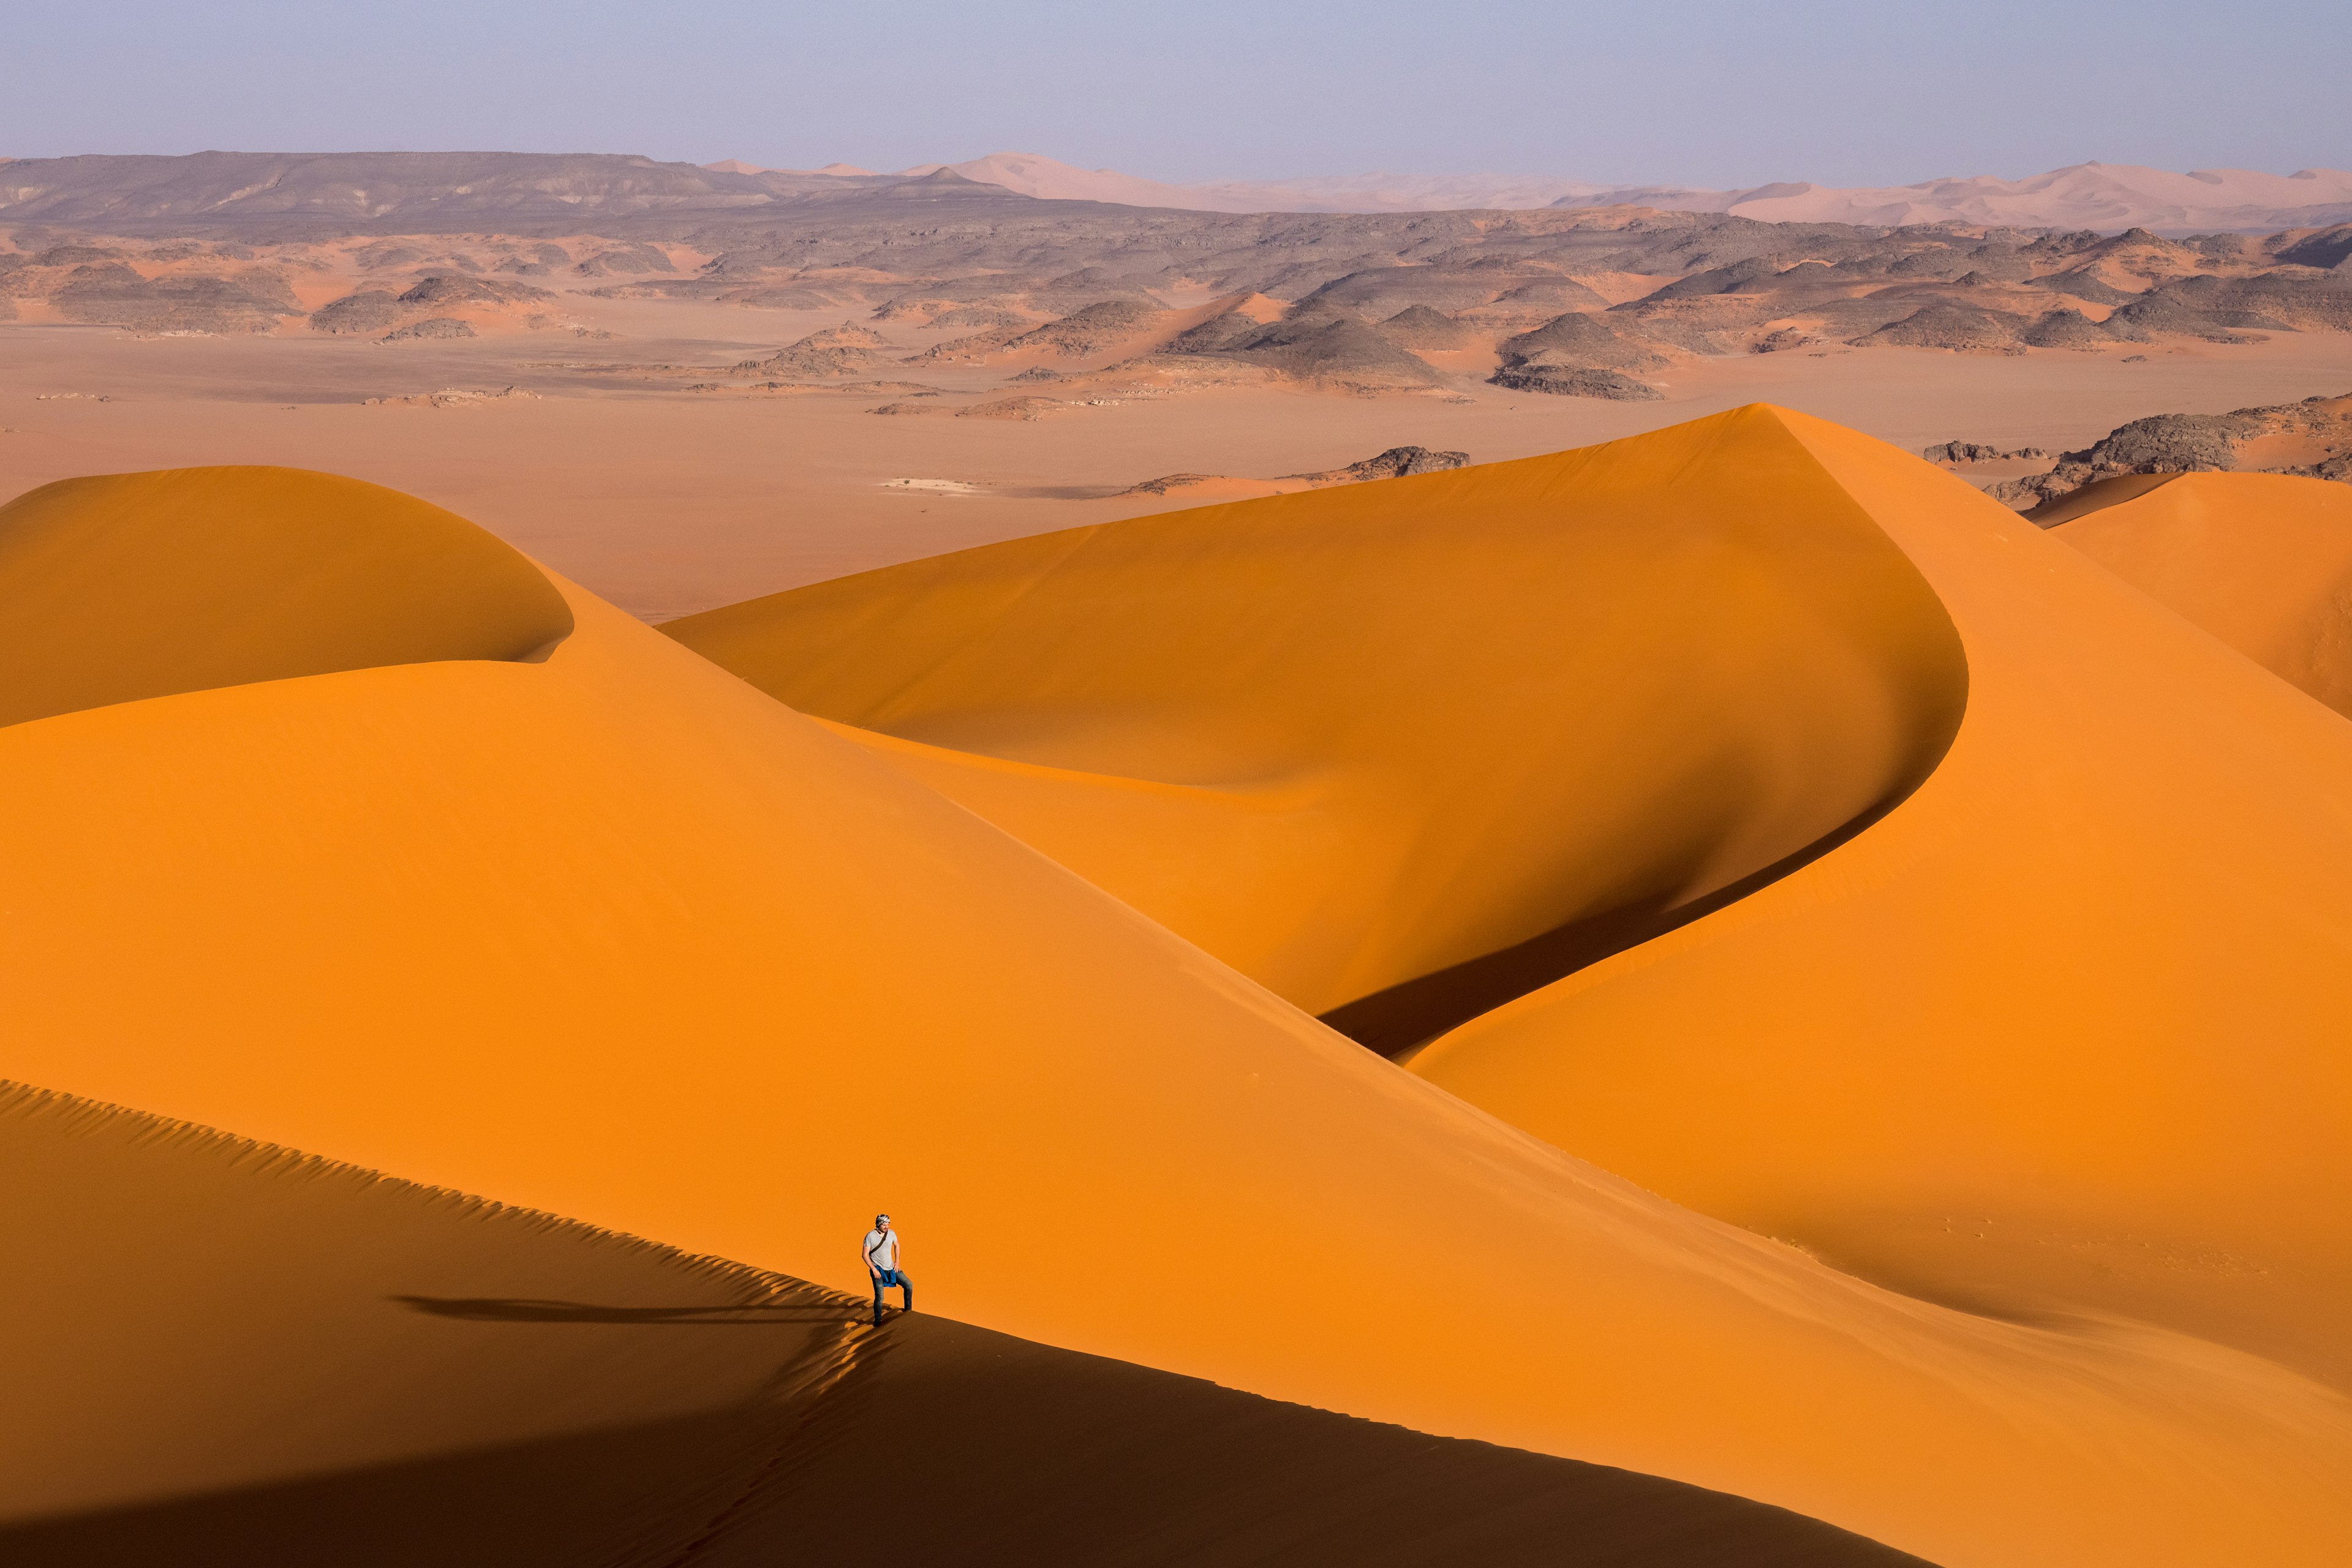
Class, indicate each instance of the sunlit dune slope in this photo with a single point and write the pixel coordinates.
(2262, 561)
(1506, 718)
(131, 586)
(2063, 1032)
(244, 1353)
(616, 936)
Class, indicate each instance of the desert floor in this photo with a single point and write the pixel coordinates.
(668, 502)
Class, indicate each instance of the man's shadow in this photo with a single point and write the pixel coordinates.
(526, 1309)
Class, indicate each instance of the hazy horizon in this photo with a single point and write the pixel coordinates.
(1706, 94)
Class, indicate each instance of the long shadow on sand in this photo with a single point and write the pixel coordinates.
(1415, 1012)
(976, 1448)
(523, 1309)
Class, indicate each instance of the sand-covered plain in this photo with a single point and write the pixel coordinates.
(668, 502)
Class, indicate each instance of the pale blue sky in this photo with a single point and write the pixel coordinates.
(1712, 92)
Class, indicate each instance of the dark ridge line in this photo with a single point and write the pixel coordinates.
(1415, 1012)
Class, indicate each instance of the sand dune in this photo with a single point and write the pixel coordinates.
(1345, 745)
(246, 1352)
(1032, 174)
(616, 936)
(2093, 195)
(2109, 197)
(2262, 561)
(1029, 174)
(1310, 748)
(2061, 1034)
(142, 585)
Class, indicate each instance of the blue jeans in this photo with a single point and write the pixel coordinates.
(883, 1280)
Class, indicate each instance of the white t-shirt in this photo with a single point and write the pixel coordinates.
(882, 1250)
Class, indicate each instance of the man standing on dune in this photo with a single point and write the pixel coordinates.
(882, 1254)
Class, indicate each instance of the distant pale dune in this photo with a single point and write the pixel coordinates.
(2093, 195)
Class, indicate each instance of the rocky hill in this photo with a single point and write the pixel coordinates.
(2313, 438)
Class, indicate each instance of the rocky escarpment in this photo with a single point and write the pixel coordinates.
(2313, 437)
(1396, 463)
(846, 350)
(98, 285)
(377, 310)
(1578, 355)
(1955, 452)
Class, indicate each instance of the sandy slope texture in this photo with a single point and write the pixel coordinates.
(244, 1352)
(2062, 1033)
(2262, 561)
(616, 936)
(1351, 740)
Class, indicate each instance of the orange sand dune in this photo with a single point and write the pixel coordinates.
(246, 1353)
(615, 935)
(2262, 561)
(2065, 1032)
(1489, 662)
(1350, 739)
(145, 585)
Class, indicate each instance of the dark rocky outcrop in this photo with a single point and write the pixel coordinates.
(2200, 443)
(1961, 327)
(433, 327)
(845, 349)
(1958, 452)
(1419, 327)
(1577, 342)
(1586, 382)
(1399, 461)
(111, 293)
(369, 310)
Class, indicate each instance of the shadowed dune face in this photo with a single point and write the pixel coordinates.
(2262, 561)
(244, 1353)
(1419, 746)
(133, 586)
(2062, 1033)
(617, 936)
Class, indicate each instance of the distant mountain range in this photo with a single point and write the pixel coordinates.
(2103, 196)
(354, 192)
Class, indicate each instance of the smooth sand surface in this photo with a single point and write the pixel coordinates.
(1350, 738)
(2062, 1033)
(233, 1353)
(245, 574)
(2262, 561)
(667, 503)
(615, 935)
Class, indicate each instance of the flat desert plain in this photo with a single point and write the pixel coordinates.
(667, 501)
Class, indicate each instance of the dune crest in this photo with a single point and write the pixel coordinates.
(2060, 1034)
(137, 585)
(2262, 561)
(252, 1350)
(1348, 740)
